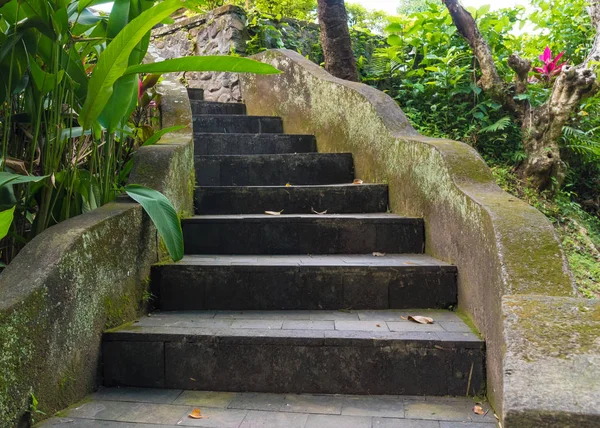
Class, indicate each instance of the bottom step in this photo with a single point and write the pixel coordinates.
(350, 352)
(136, 407)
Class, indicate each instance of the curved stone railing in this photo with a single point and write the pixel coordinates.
(84, 275)
(507, 253)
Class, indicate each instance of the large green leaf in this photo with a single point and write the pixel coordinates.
(205, 63)
(118, 19)
(121, 103)
(44, 82)
(6, 218)
(10, 178)
(162, 214)
(113, 62)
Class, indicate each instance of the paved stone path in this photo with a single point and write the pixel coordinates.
(148, 408)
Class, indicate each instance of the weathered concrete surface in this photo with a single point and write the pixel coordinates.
(82, 276)
(501, 245)
(552, 361)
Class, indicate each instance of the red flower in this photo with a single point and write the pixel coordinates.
(551, 68)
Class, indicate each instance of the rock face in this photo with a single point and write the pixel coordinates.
(220, 32)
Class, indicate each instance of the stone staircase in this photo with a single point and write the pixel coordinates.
(299, 302)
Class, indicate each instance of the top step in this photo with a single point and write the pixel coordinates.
(200, 107)
(195, 93)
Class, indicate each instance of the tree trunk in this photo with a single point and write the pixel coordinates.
(541, 127)
(335, 40)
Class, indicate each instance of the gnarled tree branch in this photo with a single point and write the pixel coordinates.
(490, 80)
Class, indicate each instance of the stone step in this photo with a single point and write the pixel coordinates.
(333, 198)
(231, 123)
(273, 170)
(303, 234)
(195, 93)
(394, 281)
(252, 144)
(201, 107)
(137, 407)
(341, 352)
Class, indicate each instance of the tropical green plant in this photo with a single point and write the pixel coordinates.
(71, 109)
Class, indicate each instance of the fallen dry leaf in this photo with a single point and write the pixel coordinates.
(402, 318)
(357, 181)
(378, 325)
(317, 212)
(17, 166)
(420, 319)
(378, 254)
(478, 410)
(196, 414)
(273, 212)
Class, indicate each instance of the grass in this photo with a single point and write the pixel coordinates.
(579, 231)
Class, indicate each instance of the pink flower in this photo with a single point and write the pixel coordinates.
(551, 68)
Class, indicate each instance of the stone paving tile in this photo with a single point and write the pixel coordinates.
(142, 395)
(314, 260)
(438, 315)
(457, 327)
(308, 403)
(215, 418)
(403, 423)
(288, 315)
(256, 419)
(468, 424)
(92, 423)
(412, 326)
(206, 399)
(373, 406)
(308, 325)
(155, 413)
(258, 324)
(108, 410)
(334, 421)
(361, 326)
(258, 401)
(445, 409)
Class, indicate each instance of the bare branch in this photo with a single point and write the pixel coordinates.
(594, 12)
(521, 67)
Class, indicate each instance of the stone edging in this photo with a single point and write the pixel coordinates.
(507, 253)
(86, 274)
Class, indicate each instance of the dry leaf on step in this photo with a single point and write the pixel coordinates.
(357, 181)
(196, 414)
(420, 319)
(478, 410)
(378, 254)
(273, 212)
(317, 212)
(403, 318)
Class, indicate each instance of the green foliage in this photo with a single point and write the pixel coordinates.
(205, 63)
(74, 107)
(163, 215)
(361, 18)
(6, 218)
